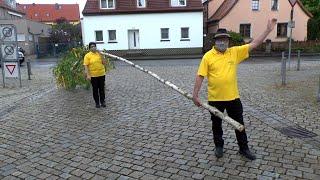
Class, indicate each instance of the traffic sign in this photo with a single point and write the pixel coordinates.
(11, 69)
(293, 2)
(8, 33)
(9, 51)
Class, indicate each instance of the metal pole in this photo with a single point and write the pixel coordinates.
(319, 91)
(212, 109)
(290, 40)
(283, 69)
(3, 78)
(299, 59)
(29, 69)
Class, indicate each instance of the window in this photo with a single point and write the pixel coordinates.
(282, 29)
(107, 4)
(164, 33)
(141, 3)
(99, 36)
(21, 37)
(184, 33)
(245, 30)
(112, 36)
(178, 2)
(255, 5)
(47, 14)
(30, 37)
(274, 5)
(36, 14)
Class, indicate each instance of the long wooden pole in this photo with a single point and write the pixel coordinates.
(212, 109)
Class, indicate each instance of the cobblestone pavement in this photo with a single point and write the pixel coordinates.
(148, 131)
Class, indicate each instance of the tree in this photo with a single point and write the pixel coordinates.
(314, 24)
(65, 32)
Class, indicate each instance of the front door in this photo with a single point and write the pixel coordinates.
(133, 39)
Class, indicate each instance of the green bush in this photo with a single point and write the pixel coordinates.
(69, 72)
(236, 38)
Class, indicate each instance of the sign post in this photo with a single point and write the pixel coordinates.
(9, 53)
(291, 25)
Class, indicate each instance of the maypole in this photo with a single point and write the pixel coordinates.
(213, 110)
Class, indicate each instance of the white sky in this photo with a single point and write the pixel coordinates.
(80, 2)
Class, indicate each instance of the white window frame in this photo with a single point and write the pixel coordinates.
(177, 3)
(95, 35)
(185, 38)
(252, 5)
(112, 40)
(21, 37)
(272, 6)
(114, 4)
(30, 38)
(165, 39)
(143, 5)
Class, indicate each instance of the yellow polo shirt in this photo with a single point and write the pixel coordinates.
(221, 71)
(94, 63)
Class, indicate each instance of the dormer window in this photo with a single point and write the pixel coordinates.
(175, 3)
(141, 3)
(107, 4)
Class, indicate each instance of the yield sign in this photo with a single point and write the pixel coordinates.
(293, 2)
(11, 68)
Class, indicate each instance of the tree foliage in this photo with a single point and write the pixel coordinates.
(65, 32)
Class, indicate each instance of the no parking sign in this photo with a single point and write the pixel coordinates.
(9, 52)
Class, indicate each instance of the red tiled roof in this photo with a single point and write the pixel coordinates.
(223, 10)
(50, 12)
(227, 6)
(4, 5)
(92, 7)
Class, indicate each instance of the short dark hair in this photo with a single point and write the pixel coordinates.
(92, 43)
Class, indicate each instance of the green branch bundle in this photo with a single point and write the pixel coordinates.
(69, 72)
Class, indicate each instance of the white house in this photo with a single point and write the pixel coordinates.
(143, 24)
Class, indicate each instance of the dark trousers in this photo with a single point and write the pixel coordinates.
(234, 110)
(98, 89)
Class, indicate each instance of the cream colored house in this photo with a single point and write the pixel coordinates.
(249, 18)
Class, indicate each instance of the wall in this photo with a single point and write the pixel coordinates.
(242, 13)
(149, 29)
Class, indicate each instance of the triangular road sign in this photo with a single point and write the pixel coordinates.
(11, 68)
(293, 2)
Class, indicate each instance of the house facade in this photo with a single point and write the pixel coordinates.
(249, 18)
(49, 13)
(143, 25)
(28, 31)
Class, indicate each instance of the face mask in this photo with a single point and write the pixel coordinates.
(93, 48)
(221, 46)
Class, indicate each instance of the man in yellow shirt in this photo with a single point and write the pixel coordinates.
(220, 65)
(95, 71)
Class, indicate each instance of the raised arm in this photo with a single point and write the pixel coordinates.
(256, 42)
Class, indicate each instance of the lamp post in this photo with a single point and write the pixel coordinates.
(291, 24)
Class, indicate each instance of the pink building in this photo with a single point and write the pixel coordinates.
(249, 18)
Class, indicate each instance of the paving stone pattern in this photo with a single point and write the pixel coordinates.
(148, 131)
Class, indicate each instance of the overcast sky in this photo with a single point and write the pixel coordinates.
(80, 2)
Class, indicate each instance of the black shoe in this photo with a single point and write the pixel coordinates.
(97, 105)
(103, 104)
(219, 152)
(247, 154)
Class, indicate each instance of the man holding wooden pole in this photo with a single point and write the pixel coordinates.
(219, 65)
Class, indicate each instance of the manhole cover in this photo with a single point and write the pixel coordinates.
(297, 132)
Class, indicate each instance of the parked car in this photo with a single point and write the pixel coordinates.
(21, 55)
